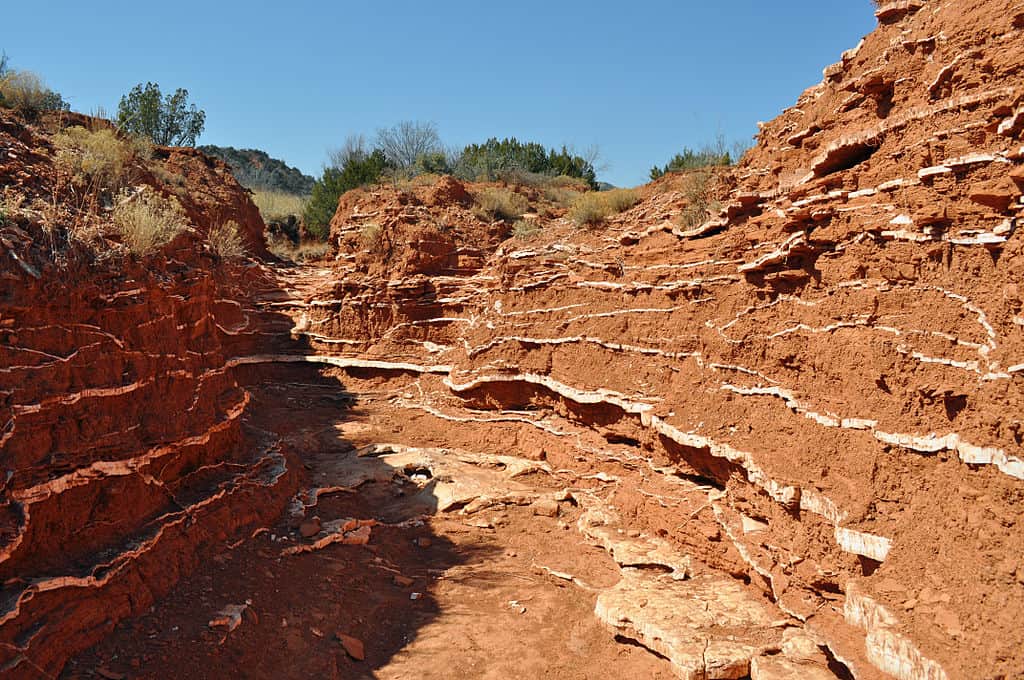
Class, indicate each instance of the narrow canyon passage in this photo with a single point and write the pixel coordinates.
(759, 421)
(458, 543)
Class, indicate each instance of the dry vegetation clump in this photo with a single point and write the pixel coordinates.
(495, 203)
(275, 206)
(595, 207)
(226, 241)
(700, 203)
(25, 92)
(563, 190)
(146, 221)
(306, 251)
(11, 203)
(371, 236)
(524, 230)
(98, 160)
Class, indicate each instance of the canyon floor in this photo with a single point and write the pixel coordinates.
(450, 544)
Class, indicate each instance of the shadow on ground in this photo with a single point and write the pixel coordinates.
(295, 608)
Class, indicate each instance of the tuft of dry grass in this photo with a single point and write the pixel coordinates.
(147, 221)
(226, 241)
(96, 159)
(276, 206)
(595, 207)
(11, 203)
(24, 92)
(524, 230)
(698, 191)
(495, 203)
(304, 252)
(371, 236)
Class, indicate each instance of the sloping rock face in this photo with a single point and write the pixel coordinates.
(839, 352)
(124, 457)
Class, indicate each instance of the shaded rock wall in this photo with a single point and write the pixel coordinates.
(124, 454)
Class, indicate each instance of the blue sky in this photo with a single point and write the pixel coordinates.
(640, 80)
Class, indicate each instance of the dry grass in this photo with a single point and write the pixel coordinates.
(494, 203)
(304, 252)
(11, 203)
(96, 160)
(595, 207)
(371, 236)
(148, 221)
(226, 241)
(276, 206)
(524, 230)
(24, 92)
(700, 205)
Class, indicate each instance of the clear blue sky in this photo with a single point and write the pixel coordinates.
(294, 78)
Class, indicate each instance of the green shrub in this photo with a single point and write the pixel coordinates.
(226, 241)
(433, 163)
(148, 221)
(691, 160)
(507, 158)
(25, 92)
(594, 207)
(359, 169)
(495, 203)
(168, 121)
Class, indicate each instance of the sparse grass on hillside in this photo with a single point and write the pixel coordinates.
(595, 207)
(700, 203)
(226, 241)
(98, 160)
(277, 205)
(524, 230)
(495, 203)
(146, 221)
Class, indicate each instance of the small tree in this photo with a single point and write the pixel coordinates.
(358, 170)
(408, 141)
(169, 121)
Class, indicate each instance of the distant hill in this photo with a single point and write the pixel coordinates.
(255, 170)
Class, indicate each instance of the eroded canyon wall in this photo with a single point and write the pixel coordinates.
(123, 452)
(839, 350)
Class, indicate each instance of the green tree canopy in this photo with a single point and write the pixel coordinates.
(358, 169)
(691, 160)
(167, 120)
(495, 158)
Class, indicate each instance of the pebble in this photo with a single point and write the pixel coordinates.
(310, 528)
(423, 542)
(353, 646)
(105, 672)
(545, 508)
